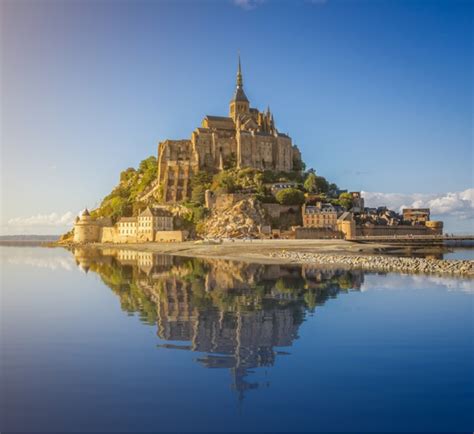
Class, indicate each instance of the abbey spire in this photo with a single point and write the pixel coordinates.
(239, 103)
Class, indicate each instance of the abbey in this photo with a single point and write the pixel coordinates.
(246, 138)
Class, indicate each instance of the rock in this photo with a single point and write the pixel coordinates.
(463, 268)
(237, 221)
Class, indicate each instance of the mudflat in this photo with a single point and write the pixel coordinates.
(253, 250)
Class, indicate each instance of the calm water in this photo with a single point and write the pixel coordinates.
(136, 342)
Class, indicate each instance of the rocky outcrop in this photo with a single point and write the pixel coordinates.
(243, 219)
(384, 263)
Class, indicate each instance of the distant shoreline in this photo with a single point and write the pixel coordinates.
(27, 240)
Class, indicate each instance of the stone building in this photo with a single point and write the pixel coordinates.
(323, 215)
(346, 225)
(153, 224)
(245, 138)
(88, 229)
(145, 226)
(127, 228)
(416, 215)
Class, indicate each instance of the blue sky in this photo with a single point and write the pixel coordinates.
(377, 94)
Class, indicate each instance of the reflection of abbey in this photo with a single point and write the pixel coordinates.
(246, 138)
(237, 314)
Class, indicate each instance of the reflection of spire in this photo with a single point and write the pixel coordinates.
(240, 385)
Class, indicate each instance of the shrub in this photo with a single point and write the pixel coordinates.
(290, 196)
(223, 182)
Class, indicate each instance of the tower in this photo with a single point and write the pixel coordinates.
(239, 103)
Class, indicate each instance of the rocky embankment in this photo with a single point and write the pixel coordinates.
(456, 267)
(240, 220)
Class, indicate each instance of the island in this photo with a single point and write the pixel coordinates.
(236, 177)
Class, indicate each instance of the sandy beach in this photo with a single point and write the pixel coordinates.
(256, 250)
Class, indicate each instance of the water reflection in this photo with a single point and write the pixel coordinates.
(236, 314)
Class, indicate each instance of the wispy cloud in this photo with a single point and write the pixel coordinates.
(44, 220)
(457, 204)
(248, 4)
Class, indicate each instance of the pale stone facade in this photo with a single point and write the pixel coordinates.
(346, 225)
(87, 229)
(246, 138)
(323, 215)
(151, 225)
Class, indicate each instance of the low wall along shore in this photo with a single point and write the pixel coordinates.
(455, 267)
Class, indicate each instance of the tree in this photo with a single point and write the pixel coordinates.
(223, 183)
(333, 189)
(345, 199)
(127, 174)
(322, 185)
(310, 184)
(138, 207)
(200, 182)
(298, 164)
(290, 196)
(198, 194)
(230, 161)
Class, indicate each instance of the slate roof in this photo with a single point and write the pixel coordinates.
(219, 118)
(155, 212)
(127, 219)
(239, 95)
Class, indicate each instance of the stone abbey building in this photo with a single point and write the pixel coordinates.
(246, 138)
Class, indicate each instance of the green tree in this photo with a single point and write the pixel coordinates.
(333, 189)
(345, 199)
(200, 182)
(322, 186)
(138, 207)
(223, 182)
(127, 174)
(230, 161)
(310, 184)
(290, 196)
(298, 164)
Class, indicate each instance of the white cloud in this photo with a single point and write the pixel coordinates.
(44, 220)
(458, 204)
(395, 281)
(248, 4)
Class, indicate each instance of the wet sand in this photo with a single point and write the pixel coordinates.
(256, 250)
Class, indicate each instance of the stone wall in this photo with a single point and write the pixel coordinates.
(402, 230)
(86, 232)
(348, 228)
(316, 233)
(109, 235)
(170, 236)
(275, 210)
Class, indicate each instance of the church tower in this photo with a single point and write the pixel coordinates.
(239, 103)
